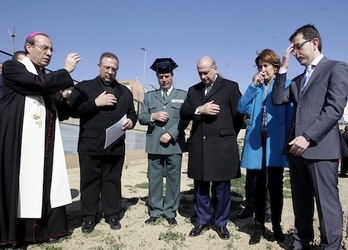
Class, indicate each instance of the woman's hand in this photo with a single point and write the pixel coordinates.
(258, 79)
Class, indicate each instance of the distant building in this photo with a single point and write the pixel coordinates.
(138, 91)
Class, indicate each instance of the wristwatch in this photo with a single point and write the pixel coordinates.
(307, 137)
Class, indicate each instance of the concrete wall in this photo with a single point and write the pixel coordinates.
(135, 139)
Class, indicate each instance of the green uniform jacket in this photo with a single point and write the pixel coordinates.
(153, 102)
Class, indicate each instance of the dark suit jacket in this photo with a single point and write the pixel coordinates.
(318, 108)
(0, 87)
(213, 149)
(95, 120)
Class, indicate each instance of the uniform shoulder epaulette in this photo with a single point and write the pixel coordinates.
(181, 90)
(154, 90)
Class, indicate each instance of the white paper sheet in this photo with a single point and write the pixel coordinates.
(114, 132)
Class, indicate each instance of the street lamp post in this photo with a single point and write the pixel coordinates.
(144, 73)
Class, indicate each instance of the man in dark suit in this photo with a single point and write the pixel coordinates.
(344, 159)
(165, 141)
(0, 81)
(100, 103)
(319, 96)
(213, 150)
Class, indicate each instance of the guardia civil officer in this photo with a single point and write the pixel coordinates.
(165, 142)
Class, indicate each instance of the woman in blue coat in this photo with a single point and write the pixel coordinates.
(265, 137)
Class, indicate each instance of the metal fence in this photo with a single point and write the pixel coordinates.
(135, 139)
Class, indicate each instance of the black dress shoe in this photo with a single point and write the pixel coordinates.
(268, 218)
(151, 220)
(296, 248)
(114, 223)
(255, 238)
(19, 246)
(172, 221)
(244, 214)
(344, 175)
(223, 233)
(53, 240)
(197, 230)
(88, 227)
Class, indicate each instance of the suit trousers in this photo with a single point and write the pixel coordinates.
(316, 179)
(344, 167)
(249, 193)
(100, 183)
(157, 164)
(268, 181)
(221, 198)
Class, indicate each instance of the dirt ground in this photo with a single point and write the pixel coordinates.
(135, 234)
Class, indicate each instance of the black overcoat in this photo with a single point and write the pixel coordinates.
(212, 145)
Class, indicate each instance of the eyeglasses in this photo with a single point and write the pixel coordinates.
(298, 46)
(107, 68)
(44, 48)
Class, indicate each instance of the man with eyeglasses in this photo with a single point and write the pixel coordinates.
(33, 176)
(100, 103)
(319, 96)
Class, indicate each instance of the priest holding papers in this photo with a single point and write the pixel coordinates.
(114, 132)
(100, 103)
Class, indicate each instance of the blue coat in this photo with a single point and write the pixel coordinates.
(278, 128)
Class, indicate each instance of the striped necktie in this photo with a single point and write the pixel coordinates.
(207, 89)
(307, 76)
(165, 95)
